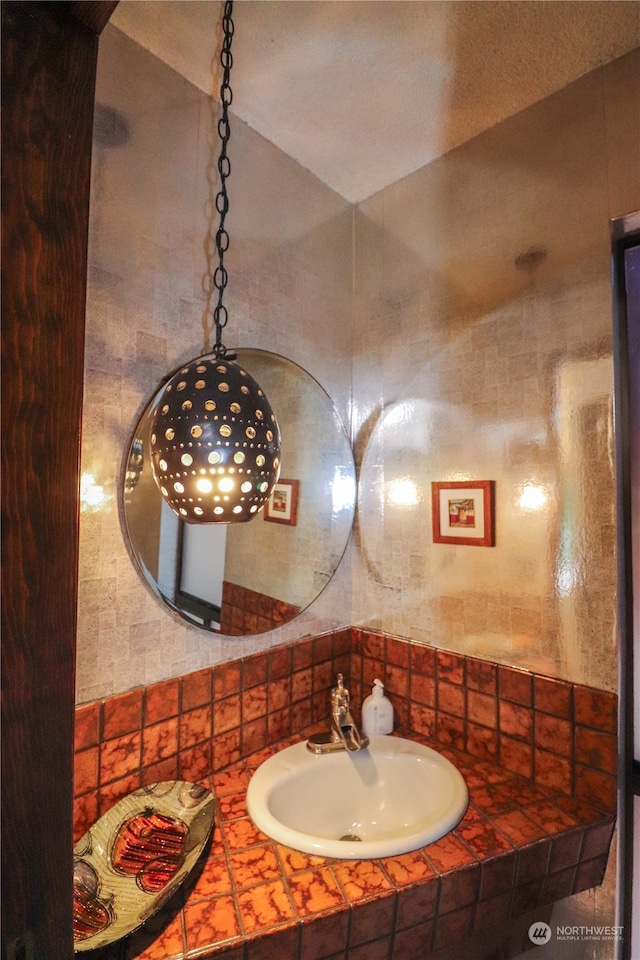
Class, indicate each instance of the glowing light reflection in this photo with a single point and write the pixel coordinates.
(403, 492)
(93, 497)
(343, 490)
(533, 497)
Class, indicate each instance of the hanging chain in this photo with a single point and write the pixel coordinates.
(220, 276)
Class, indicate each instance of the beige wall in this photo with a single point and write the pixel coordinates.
(466, 367)
(289, 292)
(299, 558)
(461, 365)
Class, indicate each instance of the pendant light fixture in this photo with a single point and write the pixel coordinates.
(215, 441)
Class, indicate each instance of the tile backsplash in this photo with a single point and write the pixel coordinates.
(245, 611)
(562, 735)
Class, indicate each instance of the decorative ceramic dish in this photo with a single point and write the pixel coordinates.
(133, 859)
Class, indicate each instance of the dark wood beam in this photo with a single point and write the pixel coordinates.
(48, 76)
(94, 15)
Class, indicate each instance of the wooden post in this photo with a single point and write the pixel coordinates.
(49, 53)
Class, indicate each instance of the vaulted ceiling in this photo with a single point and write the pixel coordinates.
(364, 92)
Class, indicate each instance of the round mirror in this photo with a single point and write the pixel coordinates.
(246, 578)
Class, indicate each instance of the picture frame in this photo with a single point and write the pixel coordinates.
(282, 506)
(463, 512)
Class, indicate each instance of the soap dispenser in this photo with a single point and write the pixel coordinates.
(377, 711)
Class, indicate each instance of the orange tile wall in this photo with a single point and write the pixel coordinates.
(561, 734)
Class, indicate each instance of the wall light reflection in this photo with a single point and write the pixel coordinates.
(533, 497)
(93, 497)
(567, 579)
(402, 492)
(343, 490)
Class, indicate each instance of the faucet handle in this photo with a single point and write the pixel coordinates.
(340, 694)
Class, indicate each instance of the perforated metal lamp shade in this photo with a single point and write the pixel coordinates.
(215, 443)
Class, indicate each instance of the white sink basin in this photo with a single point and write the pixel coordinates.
(391, 798)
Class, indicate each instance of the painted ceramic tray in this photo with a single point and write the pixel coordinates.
(133, 859)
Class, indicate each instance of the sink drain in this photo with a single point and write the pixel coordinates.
(351, 836)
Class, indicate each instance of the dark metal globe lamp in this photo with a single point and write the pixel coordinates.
(215, 441)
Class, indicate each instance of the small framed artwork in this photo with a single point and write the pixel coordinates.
(463, 512)
(282, 506)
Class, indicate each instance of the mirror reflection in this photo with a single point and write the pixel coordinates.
(242, 579)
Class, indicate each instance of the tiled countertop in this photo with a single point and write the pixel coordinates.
(518, 847)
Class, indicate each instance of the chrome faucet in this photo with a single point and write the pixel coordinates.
(344, 734)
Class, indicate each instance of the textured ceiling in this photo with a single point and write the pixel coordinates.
(364, 92)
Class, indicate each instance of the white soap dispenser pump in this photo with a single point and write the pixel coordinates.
(377, 711)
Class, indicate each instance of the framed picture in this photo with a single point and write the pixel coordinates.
(462, 512)
(282, 506)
